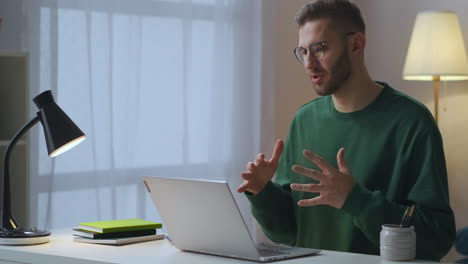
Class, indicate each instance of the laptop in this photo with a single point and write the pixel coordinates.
(202, 216)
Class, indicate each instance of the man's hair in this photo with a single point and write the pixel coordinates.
(342, 13)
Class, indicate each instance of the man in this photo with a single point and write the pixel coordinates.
(356, 157)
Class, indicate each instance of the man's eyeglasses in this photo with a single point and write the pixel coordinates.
(316, 50)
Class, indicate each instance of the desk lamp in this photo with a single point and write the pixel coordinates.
(436, 51)
(61, 134)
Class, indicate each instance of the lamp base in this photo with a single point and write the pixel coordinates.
(24, 236)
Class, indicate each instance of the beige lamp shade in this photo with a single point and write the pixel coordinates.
(436, 48)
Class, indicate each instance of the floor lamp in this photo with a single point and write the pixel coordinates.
(436, 51)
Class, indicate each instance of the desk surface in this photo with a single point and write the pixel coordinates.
(62, 249)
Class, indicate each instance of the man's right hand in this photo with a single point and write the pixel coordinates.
(261, 171)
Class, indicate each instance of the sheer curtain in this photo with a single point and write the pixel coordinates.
(167, 88)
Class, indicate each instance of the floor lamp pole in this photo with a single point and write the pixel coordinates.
(436, 80)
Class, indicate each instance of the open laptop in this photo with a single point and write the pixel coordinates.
(202, 216)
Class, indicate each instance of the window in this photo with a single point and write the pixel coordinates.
(160, 88)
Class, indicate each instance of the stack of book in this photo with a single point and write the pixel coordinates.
(117, 232)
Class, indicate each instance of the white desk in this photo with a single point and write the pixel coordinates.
(61, 249)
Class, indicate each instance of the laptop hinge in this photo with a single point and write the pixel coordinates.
(147, 187)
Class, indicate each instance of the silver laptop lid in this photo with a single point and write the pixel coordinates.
(201, 216)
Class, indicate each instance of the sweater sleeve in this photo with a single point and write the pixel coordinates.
(273, 210)
(433, 218)
(273, 207)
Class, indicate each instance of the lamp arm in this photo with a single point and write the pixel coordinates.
(7, 221)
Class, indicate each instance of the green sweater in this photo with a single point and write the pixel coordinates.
(395, 154)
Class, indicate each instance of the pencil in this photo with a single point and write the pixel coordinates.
(405, 215)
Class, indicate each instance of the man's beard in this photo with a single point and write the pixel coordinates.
(339, 73)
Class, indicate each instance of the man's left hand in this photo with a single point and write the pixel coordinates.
(334, 184)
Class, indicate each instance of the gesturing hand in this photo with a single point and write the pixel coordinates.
(260, 172)
(334, 184)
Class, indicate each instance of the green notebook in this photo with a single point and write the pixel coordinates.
(119, 225)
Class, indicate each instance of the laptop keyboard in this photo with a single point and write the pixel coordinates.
(265, 252)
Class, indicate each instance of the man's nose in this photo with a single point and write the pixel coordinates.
(310, 62)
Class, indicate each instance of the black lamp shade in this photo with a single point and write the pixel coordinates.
(60, 131)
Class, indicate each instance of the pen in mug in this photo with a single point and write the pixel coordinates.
(408, 216)
(405, 215)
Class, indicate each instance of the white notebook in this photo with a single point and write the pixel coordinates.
(119, 241)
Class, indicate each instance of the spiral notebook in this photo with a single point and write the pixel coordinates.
(119, 241)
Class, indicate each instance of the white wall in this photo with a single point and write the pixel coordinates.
(12, 25)
(389, 26)
(292, 84)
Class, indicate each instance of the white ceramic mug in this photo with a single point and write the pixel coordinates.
(397, 243)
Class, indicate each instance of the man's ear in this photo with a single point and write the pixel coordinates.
(358, 43)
